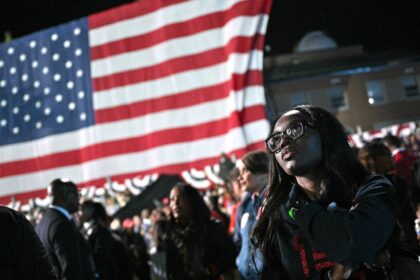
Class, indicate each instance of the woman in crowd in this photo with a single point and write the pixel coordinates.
(109, 254)
(253, 171)
(377, 159)
(323, 216)
(196, 247)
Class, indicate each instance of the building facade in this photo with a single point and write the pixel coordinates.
(365, 91)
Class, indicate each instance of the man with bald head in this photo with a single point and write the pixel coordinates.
(68, 251)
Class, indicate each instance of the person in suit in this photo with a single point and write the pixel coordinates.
(22, 255)
(68, 251)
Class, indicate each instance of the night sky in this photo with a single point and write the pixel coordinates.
(377, 25)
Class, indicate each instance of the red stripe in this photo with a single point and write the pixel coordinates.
(175, 30)
(184, 99)
(128, 11)
(180, 64)
(135, 144)
(303, 260)
(22, 197)
(168, 169)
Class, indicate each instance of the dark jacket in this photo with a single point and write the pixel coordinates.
(321, 236)
(137, 251)
(204, 254)
(111, 258)
(22, 255)
(68, 251)
(100, 240)
(405, 214)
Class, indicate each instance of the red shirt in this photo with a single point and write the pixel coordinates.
(233, 217)
(403, 161)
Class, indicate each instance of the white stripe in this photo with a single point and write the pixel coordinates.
(201, 183)
(179, 47)
(187, 116)
(255, 134)
(147, 23)
(180, 82)
(135, 162)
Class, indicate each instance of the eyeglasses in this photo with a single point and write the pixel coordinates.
(293, 132)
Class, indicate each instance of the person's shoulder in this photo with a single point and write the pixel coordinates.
(378, 179)
(9, 215)
(375, 185)
(47, 216)
(214, 226)
(52, 218)
(6, 211)
(101, 231)
(54, 214)
(13, 222)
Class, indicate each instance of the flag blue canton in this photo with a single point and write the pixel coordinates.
(45, 84)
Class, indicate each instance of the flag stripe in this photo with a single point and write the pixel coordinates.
(129, 145)
(172, 31)
(176, 118)
(128, 11)
(194, 44)
(237, 46)
(173, 154)
(145, 23)
(168, 169)
(213, 75)
(185, 99)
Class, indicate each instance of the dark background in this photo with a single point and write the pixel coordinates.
(377, 25)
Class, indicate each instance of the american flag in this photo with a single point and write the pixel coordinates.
(150, 87)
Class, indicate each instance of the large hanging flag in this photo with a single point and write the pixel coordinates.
(157, 86)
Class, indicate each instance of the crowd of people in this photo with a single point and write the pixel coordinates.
(308, 207)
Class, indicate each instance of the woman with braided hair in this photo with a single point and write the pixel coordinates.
(323, 216)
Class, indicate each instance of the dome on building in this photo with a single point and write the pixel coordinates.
(315, 41)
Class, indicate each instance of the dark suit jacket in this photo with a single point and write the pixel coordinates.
(112, 260)
(100, 240)
(22, 255)
(69, 256)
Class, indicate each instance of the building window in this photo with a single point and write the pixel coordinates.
(338, 100)
(375, 92)
(410, 86)
(298, 99)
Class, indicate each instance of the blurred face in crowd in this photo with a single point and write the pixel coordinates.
(376, 164)
(136, 220)
(364, 159)
(236, 188)
(86, 212)
(179, 205)
(249, 181)
(412, 139)
(299, 148)
(64, 193)
(145, 213)
(72, 200)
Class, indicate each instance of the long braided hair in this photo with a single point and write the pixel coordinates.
(340, 170)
